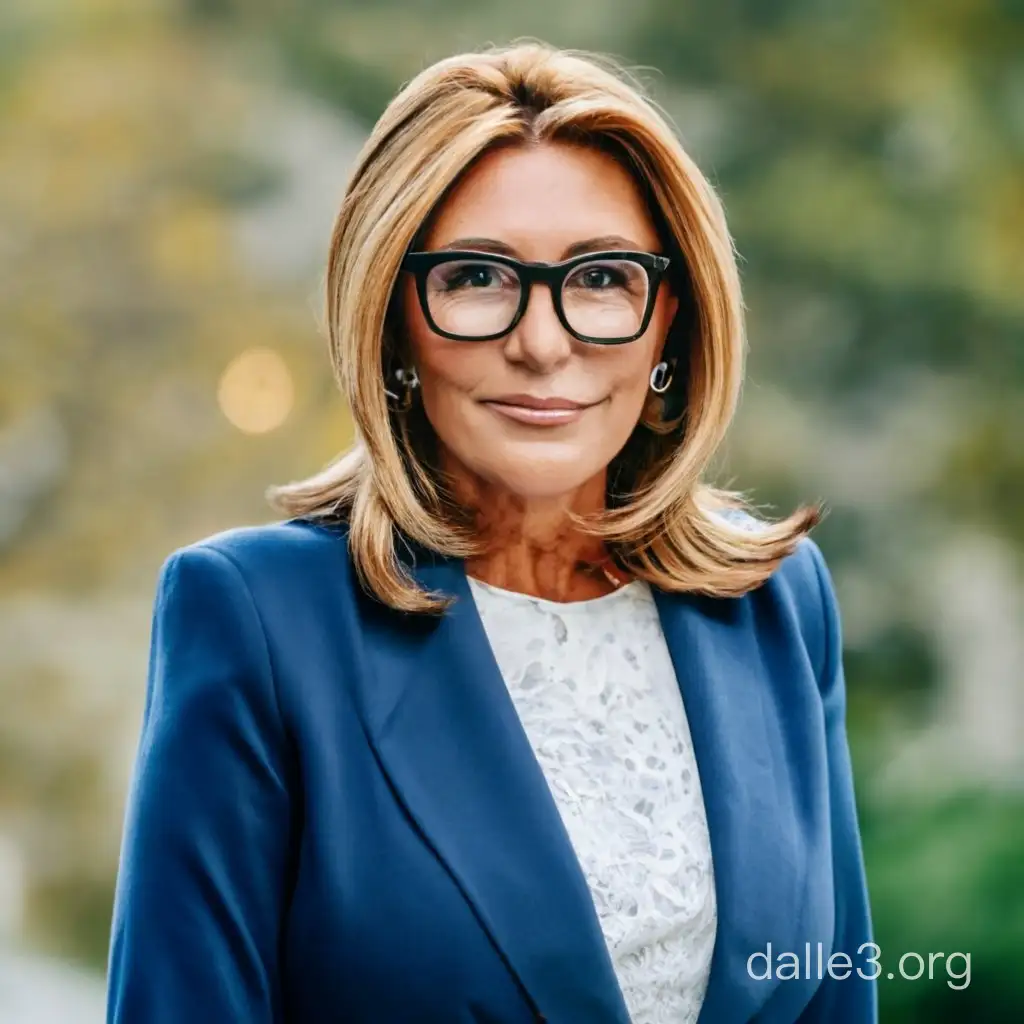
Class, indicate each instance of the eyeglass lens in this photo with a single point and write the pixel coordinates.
(476, 298)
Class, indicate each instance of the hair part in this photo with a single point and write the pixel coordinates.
(663, 522)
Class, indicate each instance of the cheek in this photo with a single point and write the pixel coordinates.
(451, 374)
(447, 383)
(628, 392)
(454, 371)
(443, 366)
(636, 375)
(631, 372)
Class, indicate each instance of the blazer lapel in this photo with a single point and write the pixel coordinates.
(759, 865)
(450, 740)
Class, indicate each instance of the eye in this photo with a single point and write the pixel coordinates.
(472, 277)
(597, 277)
(616, 274)
(465, 276)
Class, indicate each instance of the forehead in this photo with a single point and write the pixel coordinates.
(541, 198)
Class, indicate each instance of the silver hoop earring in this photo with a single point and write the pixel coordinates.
(409, 380)
(661, 378)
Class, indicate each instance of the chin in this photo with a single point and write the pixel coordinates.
(542, 476)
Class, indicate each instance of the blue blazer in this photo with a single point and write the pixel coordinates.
(335, 816)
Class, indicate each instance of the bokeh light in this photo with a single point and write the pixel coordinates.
(256, 392)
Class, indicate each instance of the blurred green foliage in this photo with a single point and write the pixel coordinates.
(949, 877)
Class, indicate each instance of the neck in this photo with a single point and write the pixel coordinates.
(532, 546)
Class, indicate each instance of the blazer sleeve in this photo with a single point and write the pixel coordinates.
(852, 999)
(201, 887)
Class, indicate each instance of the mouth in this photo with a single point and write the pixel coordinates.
(537, 411)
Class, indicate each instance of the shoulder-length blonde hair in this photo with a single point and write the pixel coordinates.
(663, 522)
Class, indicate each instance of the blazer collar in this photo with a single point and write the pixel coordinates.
(449, 738)
(759, 865)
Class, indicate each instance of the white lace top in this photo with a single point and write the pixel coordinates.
(596, 692)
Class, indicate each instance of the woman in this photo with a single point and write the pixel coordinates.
(513, 718)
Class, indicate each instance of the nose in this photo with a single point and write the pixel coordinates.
(539, 341)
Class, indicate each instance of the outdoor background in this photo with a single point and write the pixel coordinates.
(168, 176)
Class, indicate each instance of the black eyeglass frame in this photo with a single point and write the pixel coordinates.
(419, 264)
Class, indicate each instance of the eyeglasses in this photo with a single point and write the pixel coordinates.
(604, 298)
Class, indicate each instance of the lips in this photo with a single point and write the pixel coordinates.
(536, 411)
(535, 402)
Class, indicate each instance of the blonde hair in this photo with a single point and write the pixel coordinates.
(666, 526)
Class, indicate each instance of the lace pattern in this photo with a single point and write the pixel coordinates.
(595, 689)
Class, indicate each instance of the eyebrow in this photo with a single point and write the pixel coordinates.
(602, 243)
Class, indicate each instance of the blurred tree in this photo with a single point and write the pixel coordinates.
(124, 296)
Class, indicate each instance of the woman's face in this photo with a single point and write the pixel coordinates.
(537, 203)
